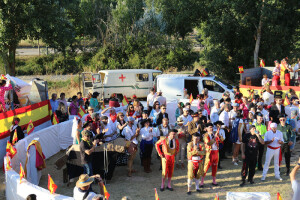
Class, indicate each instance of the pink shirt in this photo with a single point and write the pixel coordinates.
(73, 109)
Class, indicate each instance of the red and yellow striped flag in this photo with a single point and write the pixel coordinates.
(241, 69)
(51, 185)
(278, 196)
(15, 137)
(125, 101)
(216, 197)
(262, 63)
(106, 194)
(156, 195)
(191, 98)
(10, 149)
(30, 127)
(204, 73)
(22, 173)
(81, 112)
(8, 165)
(55, 119)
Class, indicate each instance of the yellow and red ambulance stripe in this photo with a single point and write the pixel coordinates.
(39, 113)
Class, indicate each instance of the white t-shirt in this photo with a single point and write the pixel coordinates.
(232, 115)
(78, 195)
(264, 81)
(147, 135)
(270, 135)
(214, 116)
(186, 119)
(296, 74)
(128, 132)
(150, 98)
(224, 117)
(268, 98)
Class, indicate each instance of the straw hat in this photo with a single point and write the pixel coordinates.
(84, 180)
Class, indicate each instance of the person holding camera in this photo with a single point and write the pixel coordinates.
(83, 189)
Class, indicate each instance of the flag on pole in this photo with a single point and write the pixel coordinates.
(156, 195)
(22, 173)
(125, 101)
(106, 194)
(10, 149)
(81, 112)
(15, 137)
(8, 165)
(103, 106)
(262, 63)
(191, 98)
(204, 73)
(278, 196)
(217, 197)
(30, 127)
(241, 69)
(51, 185)
(286, 101)
(55, 119)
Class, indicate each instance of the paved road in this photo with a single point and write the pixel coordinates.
(32, 51)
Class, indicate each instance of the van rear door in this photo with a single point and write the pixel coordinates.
(142, 84)
(172, 88)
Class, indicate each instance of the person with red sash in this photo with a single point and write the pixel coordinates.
(195, 154)
(211, 142)
(273, 139)
(167, 148)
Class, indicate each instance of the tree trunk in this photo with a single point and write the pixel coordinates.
(258, 37)
(12, 61)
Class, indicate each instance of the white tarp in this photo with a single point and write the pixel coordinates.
(16, 191)
(24, 88)
(248, 196)
(33, 175)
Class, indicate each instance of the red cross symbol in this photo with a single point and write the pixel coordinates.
(122, 77)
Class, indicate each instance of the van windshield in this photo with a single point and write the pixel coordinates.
(223, 82)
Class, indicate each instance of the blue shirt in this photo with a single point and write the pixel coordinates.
(54, 105)
(296, 189)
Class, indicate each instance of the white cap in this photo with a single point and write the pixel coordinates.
(273, 125)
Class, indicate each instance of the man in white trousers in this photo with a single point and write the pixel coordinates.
(273, 140)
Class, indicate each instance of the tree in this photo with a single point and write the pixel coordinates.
(47, 20)
(230, 33)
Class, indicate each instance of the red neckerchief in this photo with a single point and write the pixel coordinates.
(113, 117)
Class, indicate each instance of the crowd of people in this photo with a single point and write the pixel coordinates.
(246, 128)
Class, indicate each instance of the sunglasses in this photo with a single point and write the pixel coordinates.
(121, 115)
(282, 120)
(163, 108)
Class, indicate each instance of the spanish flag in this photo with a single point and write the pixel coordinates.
(51, 185)
(55, 119)
(286, 101)
(103, 106)
(204, 73)
(241, 69)
(124, 101)
(278, 196)
(262, 63)
(8, 165)
(30, 127)
(216, 197)
(191, 98)
(156, 195)
(15, 137)
(22, 173)
(10, 149)
(106, 194)
(81, 112)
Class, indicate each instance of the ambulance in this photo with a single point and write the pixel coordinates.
(120, 82)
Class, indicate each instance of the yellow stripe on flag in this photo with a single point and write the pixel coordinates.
(106, 194)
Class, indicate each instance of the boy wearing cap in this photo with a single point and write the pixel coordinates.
(90, 112)
(83, 189)
(286, 130)
(249, 154)
(182, 137)
(273, 139)
(211, 142)
(262, 129)
(195, 154)
(167, 148)
(87, 147)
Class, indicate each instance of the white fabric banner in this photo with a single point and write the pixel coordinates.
(248, 196)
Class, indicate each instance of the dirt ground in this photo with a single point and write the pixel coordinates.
(141, 185)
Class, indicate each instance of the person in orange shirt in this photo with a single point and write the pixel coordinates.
(211, 141)
(167, 148)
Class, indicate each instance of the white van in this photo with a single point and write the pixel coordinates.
(121, 82)
(172, 86)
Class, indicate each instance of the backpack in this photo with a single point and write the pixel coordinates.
(234, 134)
